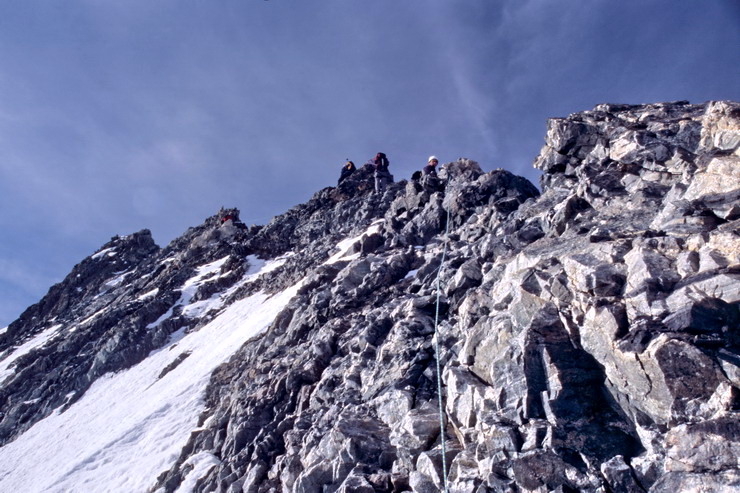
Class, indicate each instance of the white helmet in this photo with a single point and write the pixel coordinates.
(432, 158)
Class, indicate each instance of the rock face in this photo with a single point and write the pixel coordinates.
(588, 335)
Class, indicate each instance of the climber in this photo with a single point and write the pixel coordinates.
(429, 179)
(382, 175)
(430, 168)
(232, 220)
(347, 170)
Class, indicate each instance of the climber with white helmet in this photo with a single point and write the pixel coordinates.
(430, 168)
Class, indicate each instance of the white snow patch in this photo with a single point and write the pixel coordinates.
(411, 273)
(202, 462)
(110, 252)
(116, 281)
(88, 319)
(206, 423)
(11, 355)
(212, 268)
(3, 330)
(148, 294)
(197, 309)
(256, 264)
(204, 274)
(176, 337)
(131, 426)
(344, 246)
(259, 266)
(190, 287)
(162, 318)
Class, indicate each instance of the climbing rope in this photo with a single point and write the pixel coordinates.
(437, 357)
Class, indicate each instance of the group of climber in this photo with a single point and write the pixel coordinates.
(379, 166)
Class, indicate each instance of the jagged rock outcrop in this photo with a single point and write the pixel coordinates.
(588, 333)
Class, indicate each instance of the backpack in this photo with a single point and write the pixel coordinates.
(381, 162)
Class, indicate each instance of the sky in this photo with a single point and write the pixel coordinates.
(120, 116)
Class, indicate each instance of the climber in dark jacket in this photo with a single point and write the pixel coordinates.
(382, 175)
(429, 179)
(347, 170)
(430, 168)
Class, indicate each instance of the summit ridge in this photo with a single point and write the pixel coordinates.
(588, 332)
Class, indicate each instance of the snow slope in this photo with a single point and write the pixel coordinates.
(130, 426)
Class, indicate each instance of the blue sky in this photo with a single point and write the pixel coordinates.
(119, 116)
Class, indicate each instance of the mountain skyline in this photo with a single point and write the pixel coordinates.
(115, 118)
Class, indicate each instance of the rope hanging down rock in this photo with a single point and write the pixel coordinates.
(437, 357)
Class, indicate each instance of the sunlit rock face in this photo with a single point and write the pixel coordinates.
(587, 331)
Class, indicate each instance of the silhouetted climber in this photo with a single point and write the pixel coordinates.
(382, 175)
(347, 170)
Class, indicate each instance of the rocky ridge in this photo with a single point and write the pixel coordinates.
(589, 333)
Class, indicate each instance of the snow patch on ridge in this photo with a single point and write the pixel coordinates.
(131, 426)
(204, 274)
(11, 355)
(257, 267)
(110, 252)
(148, 294)
(346, 245)
(118, 280)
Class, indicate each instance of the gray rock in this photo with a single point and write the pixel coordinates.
(725, 482)
(619, 476)
(709, 446)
